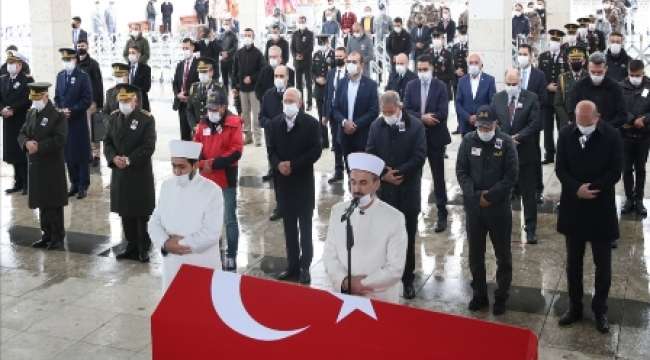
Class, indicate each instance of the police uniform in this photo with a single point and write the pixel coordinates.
(488, 169)
(552, 65)
(198, 97)
(321, 64)
(132, 188)
(459, 54)
(48, 187)
(443, 65)
(566, 82)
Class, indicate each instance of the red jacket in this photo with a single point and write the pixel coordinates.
(347, 20)
(221, 150)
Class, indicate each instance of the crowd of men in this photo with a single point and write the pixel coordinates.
(380, 138)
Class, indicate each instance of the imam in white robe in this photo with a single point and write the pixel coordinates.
(379, 250)
(195, 212)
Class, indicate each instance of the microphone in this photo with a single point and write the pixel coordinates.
(348, 212)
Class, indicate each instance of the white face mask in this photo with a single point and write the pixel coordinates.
(513, 91)
(400, 69)
(302, 26)
(68, 66)
(398, 29)
(120, 80)
(485, 136)
(461, 39)
(275, 37)
(516, 13)
(126, 108)
(351, 68)
(437, 44)
(357, 35)
(597, 79)
(570, 39)
(365, 200)
(473, 70)
(636, 80)
(392, 120)
(135, 33)
(279, 84)
(445, 16)
(248, 41)
(615, 48)
(133, 58)
(274, 62)
(554, 46)
(184, 180)
(290, 110)
(204, 78)
(330, 18)
(12, 69)
(523, 61)
(214, 116)
(586, 130)
(592, 27)
(425, 76)
(187, 54)
(38, 104)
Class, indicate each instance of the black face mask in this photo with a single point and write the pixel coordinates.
(73, 26)
(339, 62)
(576, 66)
(420, 25)
(82, 51)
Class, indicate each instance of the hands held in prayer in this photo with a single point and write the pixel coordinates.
(7, 112)
(120, 161)
(172, 246)
(66, 113)
(552, 87)
(472, 120)
(248, 80)
(357, 287)
(284, 167)
(321, 80)
(460, 72)
(325, 120)
(483, 202)
(182, 97)
(393, 177)
(430, 120)
(515, 139)
(32, 147)
(639, 122)
(349, 127)
(585, 193)
(207, 166)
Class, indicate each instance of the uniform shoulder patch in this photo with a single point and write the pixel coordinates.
(115, 111)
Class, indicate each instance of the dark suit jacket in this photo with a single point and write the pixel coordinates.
(398, 83)
(537, 84)
(177, 83)
(526, 123)
(466, 105)
(83, 35)
(366, 110)
(271, 106)
(142, 80)
(211, 50)
(265, 80)
(329, 93)
(425, 38)
(437, 104)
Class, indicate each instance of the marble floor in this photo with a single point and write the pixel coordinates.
(82, 304)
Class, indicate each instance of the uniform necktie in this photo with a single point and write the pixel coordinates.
(132, 74)
(186, 73)
(511, 109)
(424, 92)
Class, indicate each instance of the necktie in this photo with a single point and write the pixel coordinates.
(423, 97)
(511, 109)
(420, 33)
(186, 73)
(524, 80)
(132, 75)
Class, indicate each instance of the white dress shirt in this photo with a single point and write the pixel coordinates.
(353, 88)
(474, 82)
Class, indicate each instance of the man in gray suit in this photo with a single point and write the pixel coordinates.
(517, 112)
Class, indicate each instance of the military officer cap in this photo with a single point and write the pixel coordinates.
(126, 92)
(120, 69)
(485, 116)
(584, 21)
(571, 28)
(205, 64)
(576, 53)
(436, 33)
(556, 33)
(322, 38)
(462, 29)
(13, 57)
(37, 90)
(215, 99)
(67, 53)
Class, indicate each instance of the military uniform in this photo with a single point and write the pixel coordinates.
(111, 104)
(198, 95)
(48, 187)
(443, 67)
(132, 188)
(489, 170)
(459, 53)
(566, 82)
(320, 66)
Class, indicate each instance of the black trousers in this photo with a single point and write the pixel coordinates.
(167, 24)
(186, 129)
(52, 224)
(226, 70)
(135, 232)
(320, 105)
(411, 232)
(300, 250)
(635, 156)
(497, 222)
(20, 175)
(336, 147)
(601, 251)
(436, 158)
(303, 72)
(538, 164)
(528, 191)
(549, 131)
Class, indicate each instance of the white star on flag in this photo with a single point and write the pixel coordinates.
(352, 303)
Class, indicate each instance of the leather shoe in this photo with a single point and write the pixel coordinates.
(478, 303)
(288, 276)
(275, 216)
(82, 194)
(267, 177)
(548, 161)
(628, 206)
(409, 291)
(335, 179)
(570, 317)
(540, 199)
(499, 308)
(24, 192)
(14, 189)
(640, 209)
(602, 324)
(40, 244)
(615, 244)
(441, 225)
(73, 192)
(531, 238)
(55, 245)
(143, 257)
(304, 277)
(127, 255)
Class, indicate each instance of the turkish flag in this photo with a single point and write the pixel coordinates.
(211, 315)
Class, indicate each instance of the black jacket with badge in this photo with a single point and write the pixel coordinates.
(599, 163)
(403, 147)
(248, 61)
(320, 66)
(552, 67)
(491, 166)
(526, 123)
(132, 188)
(302, 42)
(608, 98)
(14, 94)
(48, 185)
(301, 146)
(617, 65)
(637, 104)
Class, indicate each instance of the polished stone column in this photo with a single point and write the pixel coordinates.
(50, 25)
(490, 34)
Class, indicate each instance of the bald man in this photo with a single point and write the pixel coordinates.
(588, 164)
(400, 76)
(474, 89)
